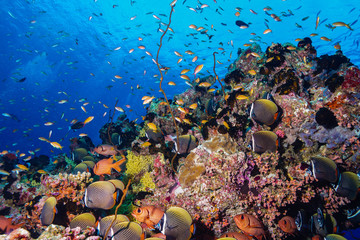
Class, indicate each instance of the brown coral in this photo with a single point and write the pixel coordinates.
(190, 171)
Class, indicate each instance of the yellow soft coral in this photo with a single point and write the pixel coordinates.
(137, 163)
(139, 167)
(147, 183)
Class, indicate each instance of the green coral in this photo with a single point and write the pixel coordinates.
(138, 163)
(34, 183)
(70, 162)
(142, 132)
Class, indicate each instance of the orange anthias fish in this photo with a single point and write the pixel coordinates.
(250, 225)
(104, 166)
(148, 215)
(287, 224)
(6, 226)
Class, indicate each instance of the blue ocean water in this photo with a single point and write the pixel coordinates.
(68, 51)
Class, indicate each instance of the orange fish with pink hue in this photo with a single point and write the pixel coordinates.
(6, 225)
(250, 225)
(105, 150)
(106, 165)
(287, 224)
(149, 215)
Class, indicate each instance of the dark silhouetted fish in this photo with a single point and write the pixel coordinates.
(21, 80)
(12, 116)
(263, 141)
(79, 154)
(322, 223)
(186, 144)
(323, 168)
(241, 24)
(77, 125)
(264, 111)
(348, 185)
(334, 237)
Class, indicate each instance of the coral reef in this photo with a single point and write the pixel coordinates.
(220, 176)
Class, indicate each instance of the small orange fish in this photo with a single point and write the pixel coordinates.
(145, 144)
(89, 119)
(291, 48)
(120, 109)
(325, 39)
(267, 31)
(317, 22)
(43, 139)
(184, 71)
(204, 84)
(287, 224)
(252, 72)
(171, 83)
(147, 99)
(104, 166)
(255, 54)
(192, 26)
(250, 225)
(185, 77)
(193, 106)
(153, 127)
(42, 171)
(148, 215)
(56, 145)
(198, 69)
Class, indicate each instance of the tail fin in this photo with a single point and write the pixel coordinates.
(116, 165)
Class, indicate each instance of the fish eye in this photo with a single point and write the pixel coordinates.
(139, 210)
(242, 217)
(284, 221)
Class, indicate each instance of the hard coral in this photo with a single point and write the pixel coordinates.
(352, 78)
(221, 143)
(190, 170)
